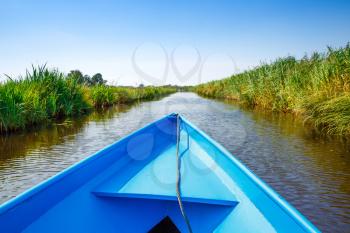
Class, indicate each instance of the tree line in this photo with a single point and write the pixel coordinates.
(96, 79)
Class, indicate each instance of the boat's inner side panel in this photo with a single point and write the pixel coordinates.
(136, 189)
(256, 211)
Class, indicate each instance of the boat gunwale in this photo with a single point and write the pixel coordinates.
(46, 183)
(291, 211)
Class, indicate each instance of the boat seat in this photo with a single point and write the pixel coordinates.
(231, 203)
(157, 180)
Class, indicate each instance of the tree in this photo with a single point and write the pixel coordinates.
(87, 80)
(97, 79)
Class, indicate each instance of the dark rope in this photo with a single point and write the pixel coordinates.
(178, 175)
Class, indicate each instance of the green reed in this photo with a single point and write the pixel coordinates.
(102, 95)
(38, 96)
(316, 87)
(43, 95)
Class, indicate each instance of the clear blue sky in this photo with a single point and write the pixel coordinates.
(102, 36)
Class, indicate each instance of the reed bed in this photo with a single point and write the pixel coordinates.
(316, 87)
(103, 96)
(43, 95)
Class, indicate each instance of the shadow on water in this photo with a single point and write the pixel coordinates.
(310, 171)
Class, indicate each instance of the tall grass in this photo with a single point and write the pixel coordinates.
(317, 87)
(40, 95)
(130, 94)
(43, 94)
(102, 95)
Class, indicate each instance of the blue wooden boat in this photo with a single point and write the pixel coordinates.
(166, 177)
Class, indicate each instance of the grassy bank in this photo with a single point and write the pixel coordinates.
(43, 95)
(102, 95)
(316, 87)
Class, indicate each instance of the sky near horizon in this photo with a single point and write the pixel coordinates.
(165, 42)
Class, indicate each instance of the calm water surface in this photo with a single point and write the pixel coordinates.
(312, 173)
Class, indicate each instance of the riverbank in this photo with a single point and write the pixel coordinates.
(316, 87)
(43, 95)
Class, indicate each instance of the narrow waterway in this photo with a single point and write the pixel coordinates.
(311, 172)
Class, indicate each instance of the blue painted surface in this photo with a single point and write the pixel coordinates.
(130, 187)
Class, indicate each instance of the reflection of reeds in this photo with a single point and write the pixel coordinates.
(22, 144)
(44, 94)
(316, 86)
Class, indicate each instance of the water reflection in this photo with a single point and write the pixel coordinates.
(24, 143)
(311, 172)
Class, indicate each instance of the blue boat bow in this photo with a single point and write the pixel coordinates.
(131, 186)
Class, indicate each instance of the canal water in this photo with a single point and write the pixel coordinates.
(311, 172)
